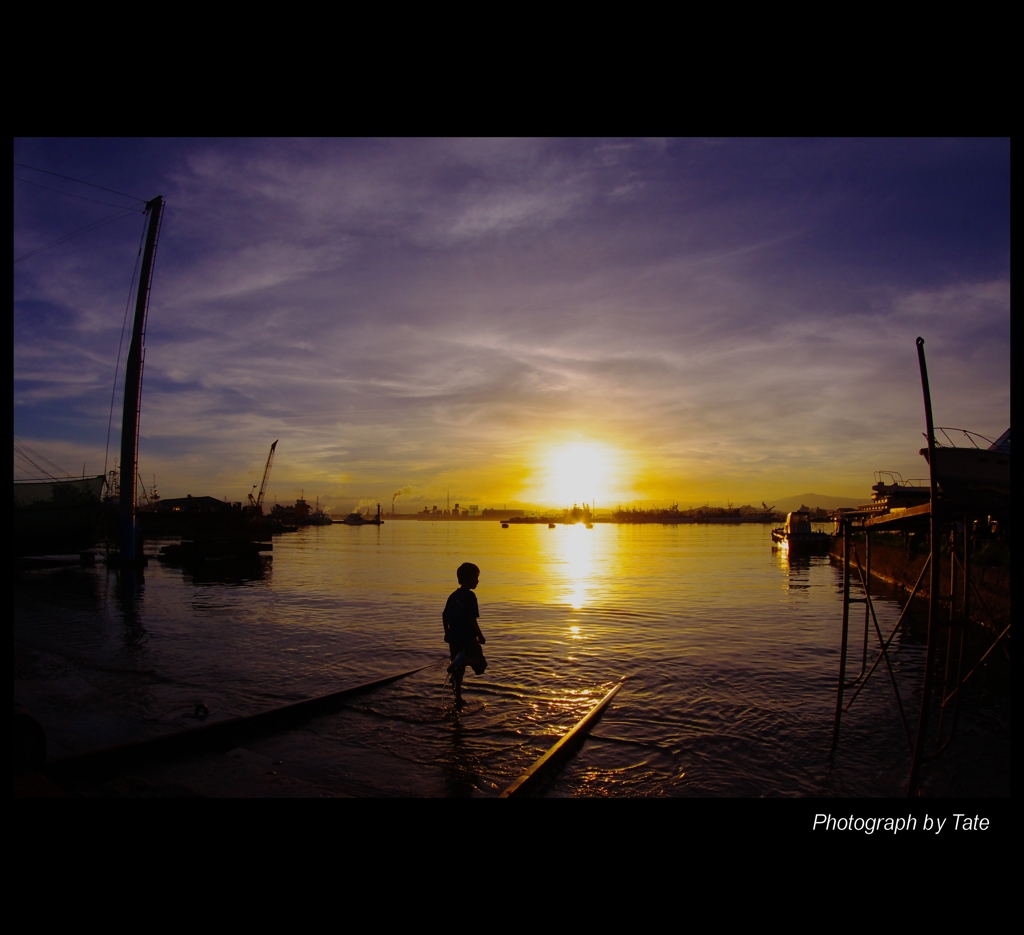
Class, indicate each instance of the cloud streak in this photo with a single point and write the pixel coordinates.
(736, 317)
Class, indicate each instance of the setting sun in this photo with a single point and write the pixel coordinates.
(579, 473)
(585, 445)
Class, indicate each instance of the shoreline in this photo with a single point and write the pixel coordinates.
(606, 520)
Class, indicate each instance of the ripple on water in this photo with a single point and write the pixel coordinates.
(731, 657)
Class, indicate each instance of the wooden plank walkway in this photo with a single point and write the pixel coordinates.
(532, 779)
(220, 736)
(901, 517)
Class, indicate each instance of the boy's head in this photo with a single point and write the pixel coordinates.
(468, 574)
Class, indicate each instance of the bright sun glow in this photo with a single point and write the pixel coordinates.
(579, 473)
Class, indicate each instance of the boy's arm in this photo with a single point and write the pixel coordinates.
(476, 620)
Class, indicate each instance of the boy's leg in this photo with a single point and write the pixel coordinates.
(475, 659)
(457, 670)
(457, 684)
(478, 664)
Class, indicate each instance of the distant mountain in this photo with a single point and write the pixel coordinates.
(824, 501)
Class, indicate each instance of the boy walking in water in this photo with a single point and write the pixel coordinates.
(461, 630)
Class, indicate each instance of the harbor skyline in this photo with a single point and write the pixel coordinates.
(515, 321)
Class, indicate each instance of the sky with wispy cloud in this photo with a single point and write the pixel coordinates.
(710, 320)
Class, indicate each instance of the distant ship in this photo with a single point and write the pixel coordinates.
(300, 514)
(318, 517)
(359, 519)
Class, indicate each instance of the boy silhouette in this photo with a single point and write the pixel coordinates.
(461, 630)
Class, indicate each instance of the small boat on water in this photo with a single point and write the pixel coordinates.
(363, 519)
(319, 517)
(798, 534)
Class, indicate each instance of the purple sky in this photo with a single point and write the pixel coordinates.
(714, 319)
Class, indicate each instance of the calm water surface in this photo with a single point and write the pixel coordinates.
(731, 653)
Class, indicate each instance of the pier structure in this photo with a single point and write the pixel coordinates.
(955, 508)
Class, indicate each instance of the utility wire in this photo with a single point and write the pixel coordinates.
(22, 460)
(29, 467)
(116, 217)
(42, 457)
(70, 179)
(25, 457)
(59, 192)
(24, 451)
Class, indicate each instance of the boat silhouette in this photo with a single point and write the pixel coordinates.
(356, 518)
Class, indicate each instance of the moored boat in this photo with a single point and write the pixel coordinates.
(356, 518)
(319, 517)
(798, 534)
(301, 514)
(972, 469)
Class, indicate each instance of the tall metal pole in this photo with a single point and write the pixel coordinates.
(133, 388)
(933, 579)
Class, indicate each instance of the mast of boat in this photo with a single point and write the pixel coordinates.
(133, 388)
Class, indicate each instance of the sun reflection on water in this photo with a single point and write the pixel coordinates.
(577, 547)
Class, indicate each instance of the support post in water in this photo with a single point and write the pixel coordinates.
(866, 582)
(843, 638)
(933, 583)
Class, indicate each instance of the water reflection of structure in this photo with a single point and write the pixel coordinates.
(130, 584)
(795, 561)
(462, 769)
(231, 570)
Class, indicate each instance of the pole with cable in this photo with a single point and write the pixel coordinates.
(133, 390)
(933, 583)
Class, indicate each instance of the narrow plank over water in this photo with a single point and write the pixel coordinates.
(531, 779)
(217, 737)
